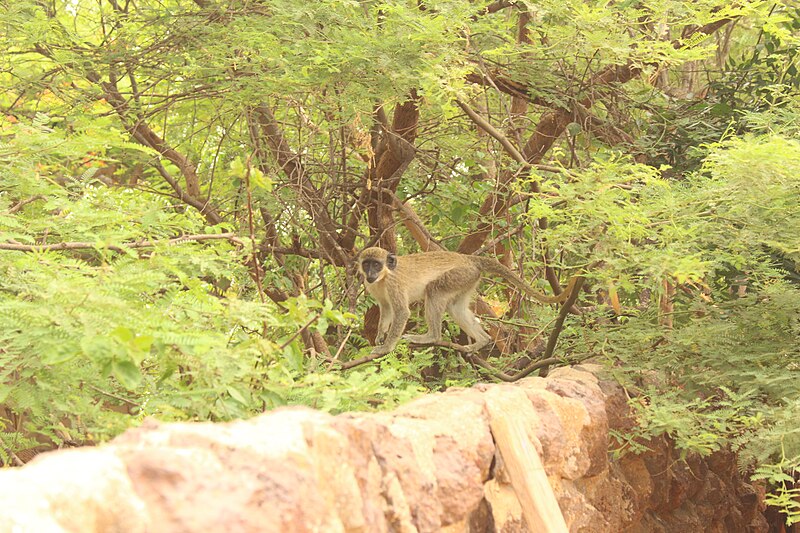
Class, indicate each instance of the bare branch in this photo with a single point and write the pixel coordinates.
(305, 326)
(358, 362)
(502, 376)
(310, 197)
(494, 7)
(414, 224)
(507, 86)
(22, 203)
(211, 214)
(491, 130)
(562, 314)
(145, 136)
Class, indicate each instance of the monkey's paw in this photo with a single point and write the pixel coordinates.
(420, 339)
(381, 349)
(475, 347)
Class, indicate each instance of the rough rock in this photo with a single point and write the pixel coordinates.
(430, 465)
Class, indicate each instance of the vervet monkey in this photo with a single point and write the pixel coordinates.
(445, 280)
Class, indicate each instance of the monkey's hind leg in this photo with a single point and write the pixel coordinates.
(439, 293)
(468, 322)
(434, 311)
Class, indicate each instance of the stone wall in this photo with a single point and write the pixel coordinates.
(428, 466)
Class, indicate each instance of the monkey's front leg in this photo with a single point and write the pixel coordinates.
(398, 325)
(387, 317)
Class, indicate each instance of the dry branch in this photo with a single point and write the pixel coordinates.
(414, 224)
(22, 203)
(358, 362)
(144, 135)
(562, 314)
(310, 197)
(484, 124)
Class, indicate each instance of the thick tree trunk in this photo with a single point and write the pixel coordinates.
(395, 152)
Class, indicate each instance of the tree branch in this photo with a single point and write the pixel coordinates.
(142, 132)
(414, 224)
(209, 212)
(145, 136)
(491, 130)
(22, 203)
(562, 314)
(551, 126)
(309, 196)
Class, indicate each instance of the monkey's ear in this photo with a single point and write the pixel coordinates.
(391, 261)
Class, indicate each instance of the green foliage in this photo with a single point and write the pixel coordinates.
(755, 90)
(726, 374)
(786, 493)
(699, 425)
(90, 339)
(113, 111)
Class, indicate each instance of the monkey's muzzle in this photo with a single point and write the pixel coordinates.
(372, 270)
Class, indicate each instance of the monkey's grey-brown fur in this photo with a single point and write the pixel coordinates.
(444, 280)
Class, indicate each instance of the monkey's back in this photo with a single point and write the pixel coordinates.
(429, 267)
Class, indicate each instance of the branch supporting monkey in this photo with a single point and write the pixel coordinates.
(445, 281)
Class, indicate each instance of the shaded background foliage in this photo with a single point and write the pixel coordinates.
(184, 186)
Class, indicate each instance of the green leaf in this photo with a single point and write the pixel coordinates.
(143, 343)
(127, 373)
(294, 356)
(122, 333)
(237, 395)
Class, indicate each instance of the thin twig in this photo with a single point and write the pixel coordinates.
(491, 130)
(293, 250)
(357, 362)
(471, 358)
(553, 169)
(374, 356)
(414, 219)
(562, 314)
(520, 325)
(256, 267)
(252, 229)
(299, 331)
(111, 395)
(502, 376)
(22, 203)
(335, 359)
(476, 360)
(509, 232)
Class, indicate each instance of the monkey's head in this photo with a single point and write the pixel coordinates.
(375, 263)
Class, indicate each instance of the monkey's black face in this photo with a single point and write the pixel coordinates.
(375, 263)
(372, 269)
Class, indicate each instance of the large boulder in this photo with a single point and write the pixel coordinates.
(431, 465)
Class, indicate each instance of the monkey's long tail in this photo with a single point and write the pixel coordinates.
(492, 266)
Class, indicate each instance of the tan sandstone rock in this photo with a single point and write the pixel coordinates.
(429, 466)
